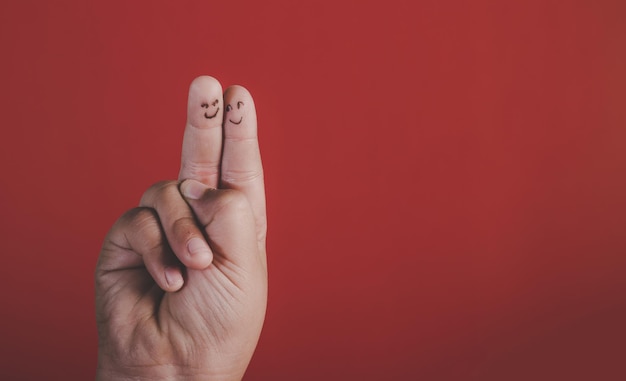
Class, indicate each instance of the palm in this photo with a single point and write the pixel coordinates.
(217, 310)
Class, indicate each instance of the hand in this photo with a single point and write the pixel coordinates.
(181, 281)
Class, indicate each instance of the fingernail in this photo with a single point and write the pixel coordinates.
(173, 277)
(193, 189)
(198, 247)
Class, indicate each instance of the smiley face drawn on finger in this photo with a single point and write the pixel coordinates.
(230, 108)
(213, 104)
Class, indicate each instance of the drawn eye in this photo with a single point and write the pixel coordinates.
(215, 102)
(205, 105)
(239, 104)
(228, 108)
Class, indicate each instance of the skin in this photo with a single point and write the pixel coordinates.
(210, 114)
(181, 281)
(234, 115)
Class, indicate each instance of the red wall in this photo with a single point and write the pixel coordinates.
(446, 179)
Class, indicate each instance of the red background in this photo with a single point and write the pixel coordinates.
(446, 179)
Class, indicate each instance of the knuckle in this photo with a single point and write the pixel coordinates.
(156, 192)
(137, 227)
(135, 215)
(146, 224)
(201, 170)
(184, 227)
(237, 176)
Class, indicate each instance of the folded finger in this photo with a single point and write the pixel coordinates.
(136, 241)
(179, 225)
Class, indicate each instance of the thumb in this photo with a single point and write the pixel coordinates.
(226, 218)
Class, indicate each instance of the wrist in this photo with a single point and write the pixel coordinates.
(158, 373)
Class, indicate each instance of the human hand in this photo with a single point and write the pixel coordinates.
(181, 282)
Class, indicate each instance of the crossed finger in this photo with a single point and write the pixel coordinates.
(220, 144)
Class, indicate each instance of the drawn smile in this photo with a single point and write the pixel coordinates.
(229, 108)
(205, 105)
(206, 114)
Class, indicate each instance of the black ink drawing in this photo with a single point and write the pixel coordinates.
(206, 105)
(229, 108)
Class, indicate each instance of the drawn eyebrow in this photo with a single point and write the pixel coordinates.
(239, 104)
(206, 105)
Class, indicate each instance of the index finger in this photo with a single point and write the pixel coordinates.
(202, 141)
